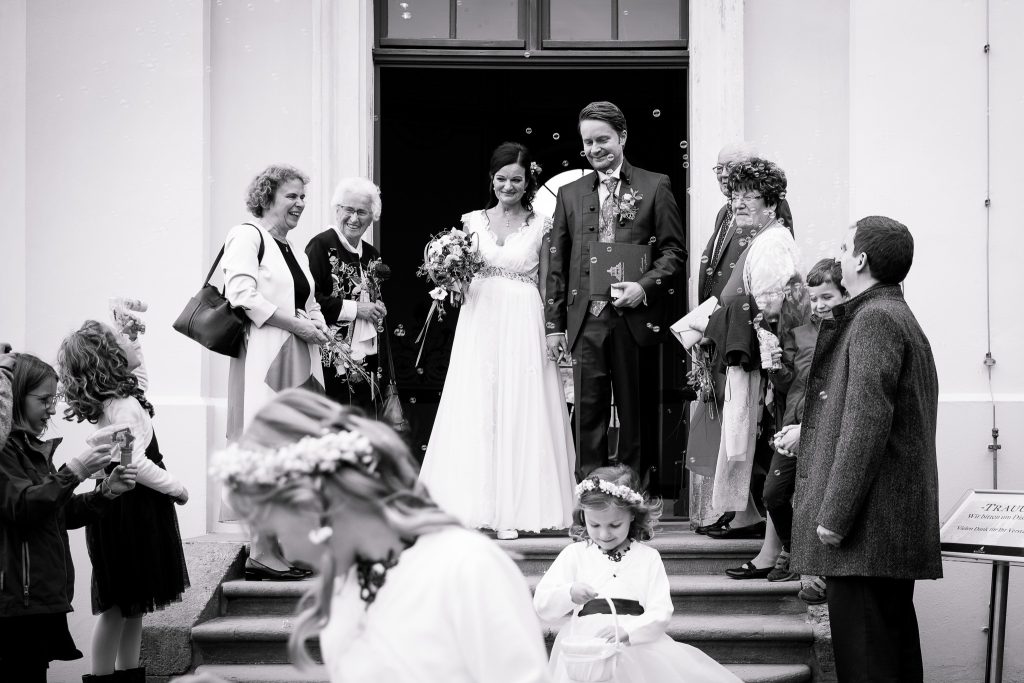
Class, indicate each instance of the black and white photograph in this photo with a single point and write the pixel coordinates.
(511, 341)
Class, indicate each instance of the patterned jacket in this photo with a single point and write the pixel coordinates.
(866, 468)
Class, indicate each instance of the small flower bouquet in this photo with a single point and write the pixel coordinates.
(700, 377)
(450, 260)
(349, 282)
(127, 320)
(627, 205)
(337, 353)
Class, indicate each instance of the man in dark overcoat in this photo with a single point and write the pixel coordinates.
(866, 502)
(618, 203)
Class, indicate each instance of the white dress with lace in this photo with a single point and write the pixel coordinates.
(500, 455)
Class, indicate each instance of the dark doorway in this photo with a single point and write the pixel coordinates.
(437, 129)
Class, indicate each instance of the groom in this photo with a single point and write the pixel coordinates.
(606, 338)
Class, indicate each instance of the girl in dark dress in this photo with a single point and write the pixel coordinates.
(136, 553)
(37, 507)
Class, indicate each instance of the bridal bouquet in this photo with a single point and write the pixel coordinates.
(450, 260)
(125, 313)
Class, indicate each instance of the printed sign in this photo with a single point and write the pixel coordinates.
(986, 525)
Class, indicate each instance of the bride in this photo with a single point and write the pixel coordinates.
(500, 455)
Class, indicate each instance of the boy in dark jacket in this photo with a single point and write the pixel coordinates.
(825, 290)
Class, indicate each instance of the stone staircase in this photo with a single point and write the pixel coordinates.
(760, 630)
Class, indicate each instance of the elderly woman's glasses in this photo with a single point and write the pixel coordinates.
(747, 199)
(349, 211)
(718, 168)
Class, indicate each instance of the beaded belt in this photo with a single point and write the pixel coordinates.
(622, 606)
(495, 271)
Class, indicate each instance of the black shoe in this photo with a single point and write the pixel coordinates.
(257, 571)
(749, 531)
(748, 571)
(721, 522)
(136, 675)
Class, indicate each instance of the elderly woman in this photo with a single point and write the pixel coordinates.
(267, 277)
(723, 441)
(347, 272)
(405, 594)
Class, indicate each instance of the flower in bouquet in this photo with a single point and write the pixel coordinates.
(451, 260)
(127, 320)
(700, 377)
(337, 353)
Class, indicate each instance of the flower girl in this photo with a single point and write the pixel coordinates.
(138, 565)
(610, 560)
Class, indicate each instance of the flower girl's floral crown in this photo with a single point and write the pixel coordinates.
(618, 490)
(312, 455)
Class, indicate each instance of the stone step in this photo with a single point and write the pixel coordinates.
(741, 639)
(691, 594)
(683, 552)
(286, 673)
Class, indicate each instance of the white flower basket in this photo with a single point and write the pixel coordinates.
(587, 658)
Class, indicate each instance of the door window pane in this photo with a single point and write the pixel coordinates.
(418, 19)
(649, 19)
(582, 19)
(487, 19)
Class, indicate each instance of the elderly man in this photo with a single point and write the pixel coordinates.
(867, 512)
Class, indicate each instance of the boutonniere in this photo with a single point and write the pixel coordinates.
(627, 205)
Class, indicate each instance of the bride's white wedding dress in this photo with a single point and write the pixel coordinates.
(500, 455)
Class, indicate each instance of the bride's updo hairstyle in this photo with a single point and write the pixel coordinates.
(382, 478)
(618, 486)
(513, 153)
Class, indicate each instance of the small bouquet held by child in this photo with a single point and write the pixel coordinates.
(450, 260)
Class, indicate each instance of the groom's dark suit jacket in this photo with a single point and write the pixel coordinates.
(575, 225)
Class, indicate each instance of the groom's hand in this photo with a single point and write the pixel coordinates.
(630, 294)
(557, 346)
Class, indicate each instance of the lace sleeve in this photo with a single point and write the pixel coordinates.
(468, 224)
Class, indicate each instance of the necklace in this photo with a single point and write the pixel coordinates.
(616, 554)
(506, 213)
(371, 575)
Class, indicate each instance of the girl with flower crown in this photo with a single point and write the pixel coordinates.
(406, 594)
(610, 560)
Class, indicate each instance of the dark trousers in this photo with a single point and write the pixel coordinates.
(778, 496)
(874, 630)
(606, 357)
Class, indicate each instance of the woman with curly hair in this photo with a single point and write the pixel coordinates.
(500, 454)
(405, 593)
(609, 560)
(268, 278)
(138, 565)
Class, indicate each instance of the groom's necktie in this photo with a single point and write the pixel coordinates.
(606, 230)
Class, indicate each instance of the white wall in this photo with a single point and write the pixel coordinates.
(12, 172)
(875, 107)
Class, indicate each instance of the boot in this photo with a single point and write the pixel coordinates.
(136, 675)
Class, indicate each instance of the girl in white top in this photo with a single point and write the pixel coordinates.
(137, 559)
(406, 594)
(609, 560)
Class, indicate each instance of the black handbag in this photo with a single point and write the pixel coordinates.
(392, 412)
(209, 319)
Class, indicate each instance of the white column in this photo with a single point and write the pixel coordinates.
(716, 111)
(12, 172)
(716, 118)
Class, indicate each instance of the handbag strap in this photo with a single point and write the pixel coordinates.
(220, 254)
(387, 351)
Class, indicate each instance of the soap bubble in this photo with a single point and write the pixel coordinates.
(555, 136)
(565, 164)
(407, 15)
(529, 131)
(683, 144)
(686, 164)
(656, 113)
